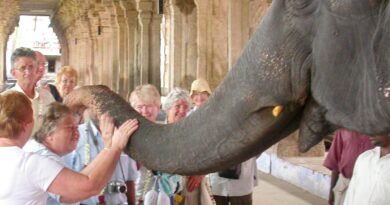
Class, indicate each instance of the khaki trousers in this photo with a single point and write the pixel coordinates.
(340, 190)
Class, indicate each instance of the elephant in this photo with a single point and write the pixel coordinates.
(322, 64)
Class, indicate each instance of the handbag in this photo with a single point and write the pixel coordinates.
(231, 173)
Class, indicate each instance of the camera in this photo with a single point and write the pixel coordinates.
(116, 187)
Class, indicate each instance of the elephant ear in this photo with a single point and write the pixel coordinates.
(350, 71)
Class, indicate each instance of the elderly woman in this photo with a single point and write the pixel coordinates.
(176, 105)
(146, 100)
(58, 137)
(66, 81)
(26, 178)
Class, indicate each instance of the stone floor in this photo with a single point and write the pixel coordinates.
(273, 191)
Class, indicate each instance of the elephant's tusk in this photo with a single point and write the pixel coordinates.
(277, 110)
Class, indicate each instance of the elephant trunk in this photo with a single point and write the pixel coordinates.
(215, 137)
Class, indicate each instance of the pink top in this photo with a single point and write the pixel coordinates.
(346, 147)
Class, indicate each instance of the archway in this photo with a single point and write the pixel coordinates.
(35, 32)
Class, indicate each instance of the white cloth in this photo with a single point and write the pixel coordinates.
(370, 183)
(42, 99)
(33, 146)
(151, 197)
(25, 176)
(88, 147)
(236, 187)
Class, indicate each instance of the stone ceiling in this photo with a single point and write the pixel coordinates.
(38, 7)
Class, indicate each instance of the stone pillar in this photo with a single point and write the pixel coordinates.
(83, 56)
(180, 43)
(63, 43)
(72, 39)
(144, 17)
(121, 82)
(203, 37)
(106, 41)
(94, 69)
(175, 42)
(238, 29)
(3, 48)
(131, 47)
(154, 48)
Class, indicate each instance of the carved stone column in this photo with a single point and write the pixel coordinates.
(132, 23)
(203, 37)
(154, 48)
(238, 29)
(106, 42)
(94, 69)
(83, 44)
(9, 17)
(121, 82)
(145, 14)
(175, 42)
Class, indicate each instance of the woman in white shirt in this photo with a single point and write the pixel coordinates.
(26, 178)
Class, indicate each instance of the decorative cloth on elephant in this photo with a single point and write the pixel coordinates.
(155, 197)
(163, 190)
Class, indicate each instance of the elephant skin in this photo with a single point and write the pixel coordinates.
(325, 62)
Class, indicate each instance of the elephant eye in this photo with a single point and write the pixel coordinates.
(301, 7)
(299, 4)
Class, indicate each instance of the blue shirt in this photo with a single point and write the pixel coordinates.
(88, 147)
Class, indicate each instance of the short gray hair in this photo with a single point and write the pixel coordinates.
(175, 95)
(55, 113)
(147, 93)
(22, 52)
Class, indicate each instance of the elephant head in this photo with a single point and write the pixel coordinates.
(324, 62)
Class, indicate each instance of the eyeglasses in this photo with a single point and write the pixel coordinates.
(72, 129)
(23, 69)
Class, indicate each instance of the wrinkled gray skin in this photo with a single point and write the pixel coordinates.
(325, 61)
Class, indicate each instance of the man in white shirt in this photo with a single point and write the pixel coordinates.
(24, 69)
(236, 187)
(370, 183)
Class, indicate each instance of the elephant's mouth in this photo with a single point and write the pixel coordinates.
(271, 124)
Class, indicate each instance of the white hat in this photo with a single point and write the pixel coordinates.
(200, 85)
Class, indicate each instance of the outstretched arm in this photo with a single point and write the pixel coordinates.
(73, 186)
